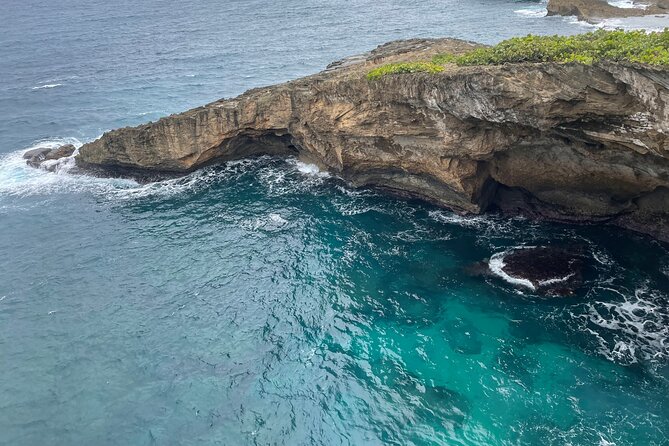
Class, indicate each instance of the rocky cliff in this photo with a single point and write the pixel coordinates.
(570, 142)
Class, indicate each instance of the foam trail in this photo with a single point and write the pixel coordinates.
(627, 4)
(46, 86)
(556, 280)
(532, 12)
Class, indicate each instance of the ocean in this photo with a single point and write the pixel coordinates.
(265, 302)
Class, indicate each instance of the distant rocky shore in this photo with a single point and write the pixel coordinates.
(594, 11)
(561, 141)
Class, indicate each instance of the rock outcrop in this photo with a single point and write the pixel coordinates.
(39, 156)
(551, 271)
(568, 142)
(594, 11)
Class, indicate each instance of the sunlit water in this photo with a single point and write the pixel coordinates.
(264, 302)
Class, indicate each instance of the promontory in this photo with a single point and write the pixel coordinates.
(574, 136)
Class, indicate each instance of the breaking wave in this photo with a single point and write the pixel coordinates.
(17, 179)
(46, 86)
(532, 12)
(627, 4)
(496, 265)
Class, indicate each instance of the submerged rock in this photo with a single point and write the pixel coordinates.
(546, 270)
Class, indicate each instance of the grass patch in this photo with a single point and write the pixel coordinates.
(629, 46)
(404, 67)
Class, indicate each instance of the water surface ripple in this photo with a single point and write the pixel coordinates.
(262, 302)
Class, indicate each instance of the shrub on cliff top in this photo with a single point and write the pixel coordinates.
(630, 46)
(404, 67)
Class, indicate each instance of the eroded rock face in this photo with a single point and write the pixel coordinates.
(595, 10)
(567, 142)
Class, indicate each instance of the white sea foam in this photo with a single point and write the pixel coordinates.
(602, 258)
(488, 224)
(627, 4)
(17, 179)
(308, 169)
(270, 222)
(604, 442)
(556, 280)
(496, 265)
(476, 221)
(649, 23)
(46, 86)
(636, 327)
(532, 12)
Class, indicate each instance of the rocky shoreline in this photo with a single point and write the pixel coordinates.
(594, 11)
(566, 142)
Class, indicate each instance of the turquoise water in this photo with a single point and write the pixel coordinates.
(263, 302)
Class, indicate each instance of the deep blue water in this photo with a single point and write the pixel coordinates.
(264, 303)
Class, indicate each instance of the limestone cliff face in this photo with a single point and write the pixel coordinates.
(560, 141)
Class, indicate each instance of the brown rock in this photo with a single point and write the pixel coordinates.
(60, 152)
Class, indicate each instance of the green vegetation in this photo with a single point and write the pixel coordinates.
(629, 46)
(404, 67)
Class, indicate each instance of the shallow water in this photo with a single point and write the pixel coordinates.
(263, 302)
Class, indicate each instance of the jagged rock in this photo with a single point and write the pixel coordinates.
(60, 152)
(567, 142)
(595, 10)
(37, 157)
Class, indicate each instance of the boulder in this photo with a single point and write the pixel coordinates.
(545, 270)
(60, 152)
(37, 157)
